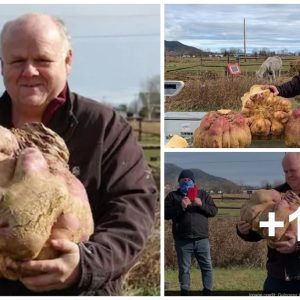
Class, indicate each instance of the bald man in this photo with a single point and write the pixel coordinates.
(283, 263)
(36, 59)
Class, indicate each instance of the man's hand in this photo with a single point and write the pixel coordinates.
(272, 88)
(185, 202)
(198, 201)
(53, 274)
(288, 246)
(243, 227)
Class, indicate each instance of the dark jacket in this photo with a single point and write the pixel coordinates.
(279, 265)
(120, 187)
(290, 88)
(191, 223)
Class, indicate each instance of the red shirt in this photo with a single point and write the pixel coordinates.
(54, 105)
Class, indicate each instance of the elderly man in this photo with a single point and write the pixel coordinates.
(283, 263)
(36, 58)
(189, 210)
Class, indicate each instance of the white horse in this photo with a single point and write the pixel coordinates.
(270, 68)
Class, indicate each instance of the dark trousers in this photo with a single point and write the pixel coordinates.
(275, 285)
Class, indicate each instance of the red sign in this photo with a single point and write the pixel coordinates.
(233, 69)
(192, 193)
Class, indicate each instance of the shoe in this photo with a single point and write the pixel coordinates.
(184, 293)
(206, 292)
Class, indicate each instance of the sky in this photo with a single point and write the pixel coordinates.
(243, 167)
(116, 48)
(219, 26)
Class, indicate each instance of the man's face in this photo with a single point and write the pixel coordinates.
(291, 168)
(184, 180)
(35, 64)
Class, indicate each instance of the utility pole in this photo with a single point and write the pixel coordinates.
(149, 105)
(245, 50)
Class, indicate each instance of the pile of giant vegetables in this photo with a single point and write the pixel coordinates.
(222, 129)
(263, 116)
(257, 209)
(40, 198)
(266, 113)
(292, 129)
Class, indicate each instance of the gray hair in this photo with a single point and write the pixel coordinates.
(62, 29)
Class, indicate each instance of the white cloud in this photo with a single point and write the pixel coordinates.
(220, 26)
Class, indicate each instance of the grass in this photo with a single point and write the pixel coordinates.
(227, 248)
(206, 88)
(217, 65)
(230, 204)
(208, 91)
(144, 278)
(229, 208)
(225, 279)
(153, 157)
(147, 291)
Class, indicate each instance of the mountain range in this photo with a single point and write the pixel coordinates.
(177, 48)
(203, 180)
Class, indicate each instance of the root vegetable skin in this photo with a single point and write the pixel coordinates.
(266, 114)
(222, 129)
(292, 130)
(262, 202)
(40, 199)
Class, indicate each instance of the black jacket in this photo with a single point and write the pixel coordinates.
(290, 88)
(279, 265)
(120, 188)
(191, 223)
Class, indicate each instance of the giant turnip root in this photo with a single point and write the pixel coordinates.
(262, 202)
(222, 129)
(177, 141)
(292, 130)
(40, 198)
(266, 113)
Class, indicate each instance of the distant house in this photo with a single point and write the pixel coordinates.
(249, 191)
(155, 112)
(172, 53)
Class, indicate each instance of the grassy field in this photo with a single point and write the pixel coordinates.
(144, 278)
(207, 88)
(150, 137)
(229, 208)
(218, 65)
(227, 280)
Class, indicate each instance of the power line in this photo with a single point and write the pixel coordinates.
(227, 161)
(104, 36)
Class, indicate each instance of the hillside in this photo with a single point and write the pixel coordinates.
(203, 180)
(177, 48)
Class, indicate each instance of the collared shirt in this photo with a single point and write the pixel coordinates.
(54, 105)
